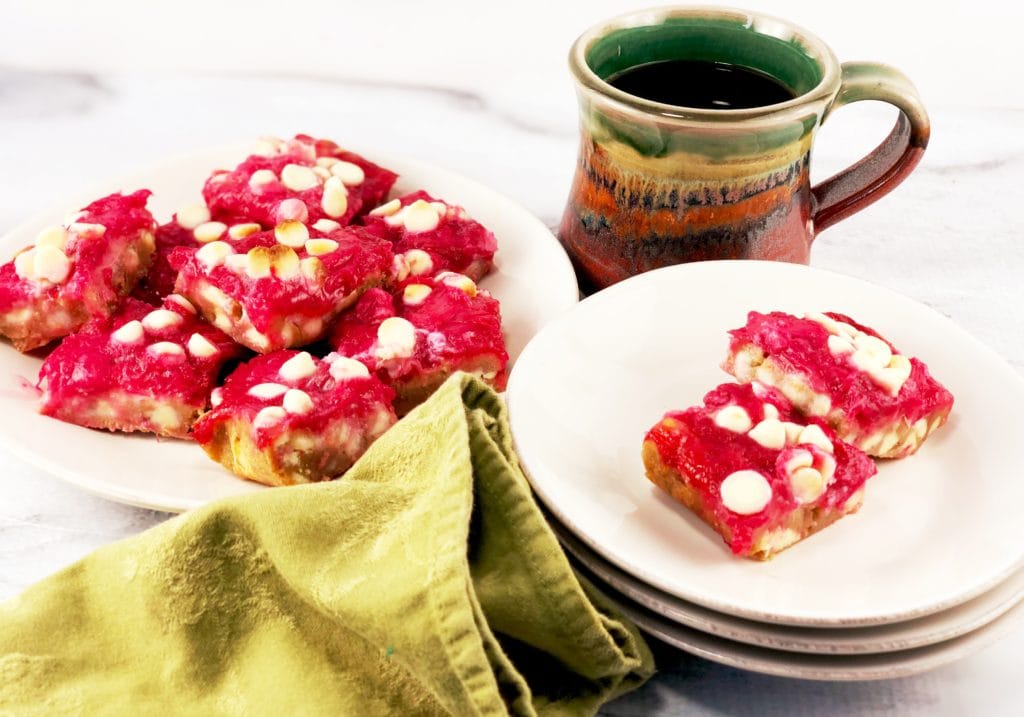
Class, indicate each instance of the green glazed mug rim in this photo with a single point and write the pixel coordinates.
(814, 48)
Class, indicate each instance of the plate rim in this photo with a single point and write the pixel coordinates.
(568, 297)
(608, 295)
(746, 631)
(773, 662)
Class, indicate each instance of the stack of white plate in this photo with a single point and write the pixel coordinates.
(928, 571)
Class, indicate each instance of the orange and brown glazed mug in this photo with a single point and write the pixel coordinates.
(659, 184)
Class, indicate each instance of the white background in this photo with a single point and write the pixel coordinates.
(89, 90)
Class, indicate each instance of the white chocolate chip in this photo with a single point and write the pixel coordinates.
(792, 431)
(326, 225)
(268, 147)
(351, 174)
(807, 484)
(293, 234)
(181, 301)
(319, 247)
(770, 411)
(238, 263)
(745, 492)
(419, 262)
(87, 231)
(344, 368)
(216, 397)
(128, 333)
(299, 178)
(261, 178)
(267, 391)
(820, 404)
(209, 231)
(396, 338)
(200, 347)
(813, 435)
(161, 319)
(291, 210)
(798, 459)
(839, 345)
(386, 209)
(415, 294)
(213, 254)
(893, 376)
(166, 348)
(335, 199)
(313, 269)
(769, 433)
(322, 172)
(286, 264)
(458, 281)
(920, 428)
(297, 401)
(832, 325)
(24, 264)
(241, 231)
(733, 418)
(165, 418)
(257, 263)
(326, 161)
(298, 367)
(399, 268)
(57, 237)
(191, 216)
(872, 353)
(420, 217)
(49, 264)
(269, 416)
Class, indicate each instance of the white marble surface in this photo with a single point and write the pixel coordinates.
(74, 113)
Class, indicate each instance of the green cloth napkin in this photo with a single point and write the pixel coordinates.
(424, 582)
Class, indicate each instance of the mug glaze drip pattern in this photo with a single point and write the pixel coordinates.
(657, 185)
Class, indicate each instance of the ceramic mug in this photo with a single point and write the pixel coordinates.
(658, 184)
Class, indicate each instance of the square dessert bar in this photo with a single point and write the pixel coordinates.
(751, 469)
(76, 272)
(288, 418)
(276, 289)
(831, 367)
(144, 369)
(429, 329)
(303, 179)
(431, 236)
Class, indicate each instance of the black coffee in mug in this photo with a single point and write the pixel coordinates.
(701, 85)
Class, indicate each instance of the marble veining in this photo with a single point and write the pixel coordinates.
(948, 237)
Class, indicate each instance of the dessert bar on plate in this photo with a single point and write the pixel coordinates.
(287, 418)
(302, 179)
(424, 332)
(76, 272)
(831, 367)
(431, 236)
(144, 369)
(750, 467)
(276, 289)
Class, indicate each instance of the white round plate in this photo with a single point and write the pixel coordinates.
(848, 668)
(533, 280)
(891, 637)
(936, 529)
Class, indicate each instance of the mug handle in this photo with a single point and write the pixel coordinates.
(889, 163)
